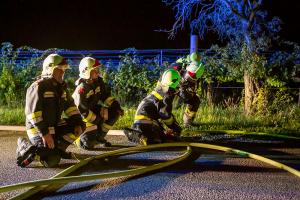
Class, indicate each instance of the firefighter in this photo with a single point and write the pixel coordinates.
(191, 70)
(98, 108)
(182, 63)
(46, 100)
(188, 91)
(156, 110)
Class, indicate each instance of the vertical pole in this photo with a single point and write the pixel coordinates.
(194, 44)
(161, 57)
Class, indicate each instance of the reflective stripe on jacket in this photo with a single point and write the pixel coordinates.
(46, 100)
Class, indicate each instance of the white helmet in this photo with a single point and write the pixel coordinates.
(86, 65)
(54, 61)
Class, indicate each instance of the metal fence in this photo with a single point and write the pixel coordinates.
(112, 56)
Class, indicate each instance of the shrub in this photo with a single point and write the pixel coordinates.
(134, 78)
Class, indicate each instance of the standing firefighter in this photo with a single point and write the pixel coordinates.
(98, 108)
(49, 133)
(191, 70)
(154, 110)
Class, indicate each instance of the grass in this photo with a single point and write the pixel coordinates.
(12, 116)
(285, 122)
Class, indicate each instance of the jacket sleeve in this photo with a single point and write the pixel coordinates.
(70, 109)
(34, 110)
(166, 115)
(81, 101)
(106, 97)
(187, 91)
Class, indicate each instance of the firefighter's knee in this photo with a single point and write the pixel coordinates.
(113, 117)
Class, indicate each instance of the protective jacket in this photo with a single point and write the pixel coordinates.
(156, 108)
(188, 89)
(46, 101)
(89, 99)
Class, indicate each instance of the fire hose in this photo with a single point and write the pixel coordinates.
(61, 178)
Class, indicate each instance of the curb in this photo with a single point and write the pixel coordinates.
(23, 129)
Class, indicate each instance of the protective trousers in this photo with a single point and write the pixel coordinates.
(95, 134)
(191, 109)
(153, 133)
(63, 137)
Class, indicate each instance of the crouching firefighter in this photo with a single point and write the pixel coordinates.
(98, 108)
(191, 70)
(49, 134)
(156, 110)
(188, 91)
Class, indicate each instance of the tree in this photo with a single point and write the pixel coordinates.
(242, 22)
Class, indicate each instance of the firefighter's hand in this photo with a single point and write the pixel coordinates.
(78, 131)
(170, 132)
(48, 141)
(104, 113)
(120, 112)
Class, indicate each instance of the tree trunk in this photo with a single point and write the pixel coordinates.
(210, 94)
(250, 91)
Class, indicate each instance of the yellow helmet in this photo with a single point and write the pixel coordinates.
(86, 65)
(170, 79)
(194, 57)
(53, 61)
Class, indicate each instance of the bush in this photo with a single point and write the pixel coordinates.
(134, 78)
(18, 73)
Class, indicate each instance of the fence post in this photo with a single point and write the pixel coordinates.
(161, 57)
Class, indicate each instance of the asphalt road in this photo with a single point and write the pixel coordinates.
(213, 175)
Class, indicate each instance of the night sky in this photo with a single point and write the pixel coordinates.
(119, 24)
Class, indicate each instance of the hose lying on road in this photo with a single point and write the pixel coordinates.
(59, 179)
(243, 133)
(92, 177)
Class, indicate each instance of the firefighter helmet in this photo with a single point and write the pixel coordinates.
(170, 79)
(194, 71)
(184, 61)
(86, 65)
(53, 61)
(194, 57)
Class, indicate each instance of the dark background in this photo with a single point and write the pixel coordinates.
(119, 24)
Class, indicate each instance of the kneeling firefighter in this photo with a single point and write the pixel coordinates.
(98, 108)
(156, 110)
(49, 133)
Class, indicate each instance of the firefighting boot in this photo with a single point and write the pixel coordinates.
(102, 143)
(136, 136)
(26, 152)
(143, 140)
(82, 145)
